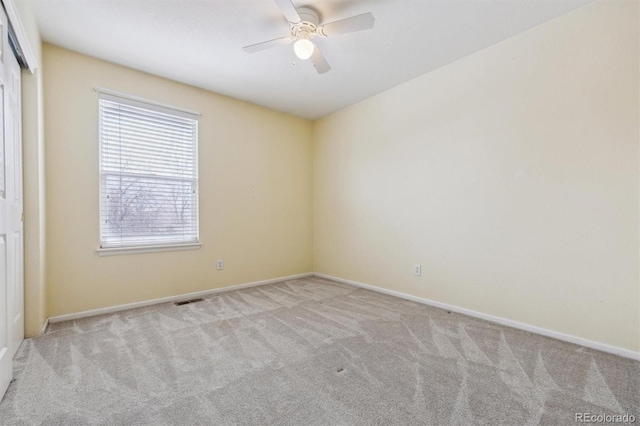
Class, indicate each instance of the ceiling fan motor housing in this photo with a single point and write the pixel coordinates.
(308, 25)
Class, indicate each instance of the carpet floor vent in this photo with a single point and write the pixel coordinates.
(186, 302)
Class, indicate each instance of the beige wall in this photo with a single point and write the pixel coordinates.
(510, 175)
(33, 180)
(255, 201)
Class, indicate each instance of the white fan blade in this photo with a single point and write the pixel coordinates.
(289, 11)
(318, 60)
(267, 45)
(348, 25)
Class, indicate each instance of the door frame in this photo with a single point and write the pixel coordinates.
(23, 41)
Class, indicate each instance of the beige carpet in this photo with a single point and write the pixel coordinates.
(308, 352)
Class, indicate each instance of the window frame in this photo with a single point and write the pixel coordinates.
(137, 102)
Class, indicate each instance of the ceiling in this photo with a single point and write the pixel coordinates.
(199, 42)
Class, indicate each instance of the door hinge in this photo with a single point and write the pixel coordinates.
(22, 217)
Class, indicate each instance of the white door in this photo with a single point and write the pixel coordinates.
(6, 224)
(15, 255)
(11, 228)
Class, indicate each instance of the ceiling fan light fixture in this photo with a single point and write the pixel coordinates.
(303, 48)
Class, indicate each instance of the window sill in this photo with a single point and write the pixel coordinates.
(147, 249)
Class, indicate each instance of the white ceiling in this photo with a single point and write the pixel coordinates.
(199, 42)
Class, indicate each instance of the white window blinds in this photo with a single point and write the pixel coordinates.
(148, 174)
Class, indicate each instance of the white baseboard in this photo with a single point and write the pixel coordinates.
(45, 326)
(502, 321)
(118, 308)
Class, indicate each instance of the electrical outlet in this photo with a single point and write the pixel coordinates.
(417, 270)
(220, 264)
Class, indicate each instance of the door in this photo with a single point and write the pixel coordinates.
(15, 254)
(7, 222)
(11, 217)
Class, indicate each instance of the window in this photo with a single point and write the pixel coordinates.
(148, 175)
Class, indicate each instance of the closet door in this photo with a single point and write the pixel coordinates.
(7, 223)
(11, 213)
(15, 244)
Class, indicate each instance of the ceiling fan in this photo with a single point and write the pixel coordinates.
(305, 25)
